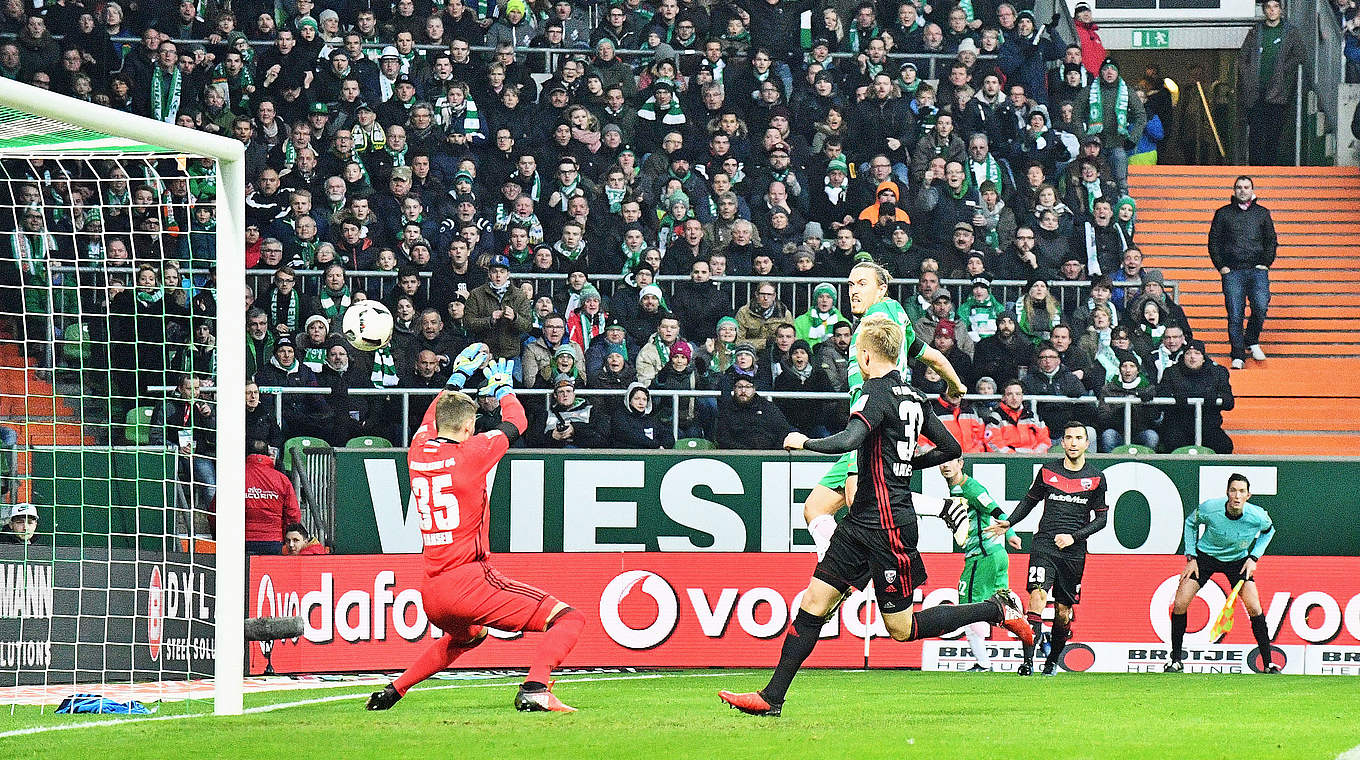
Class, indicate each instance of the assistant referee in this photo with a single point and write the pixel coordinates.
(1236, 534)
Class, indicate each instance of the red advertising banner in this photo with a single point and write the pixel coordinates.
(364, 613)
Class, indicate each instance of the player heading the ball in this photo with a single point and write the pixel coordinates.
(877, 541)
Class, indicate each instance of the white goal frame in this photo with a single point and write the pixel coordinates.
(230, 610)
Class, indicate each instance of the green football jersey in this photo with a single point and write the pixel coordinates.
(980, 506)
(897, 314)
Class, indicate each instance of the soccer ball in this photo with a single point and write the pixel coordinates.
(367, 325)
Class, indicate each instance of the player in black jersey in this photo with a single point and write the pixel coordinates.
(878, 540)
(1072, 491)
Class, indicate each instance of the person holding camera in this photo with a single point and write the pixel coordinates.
(569, 422)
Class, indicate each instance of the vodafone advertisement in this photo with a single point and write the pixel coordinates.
(364, 613)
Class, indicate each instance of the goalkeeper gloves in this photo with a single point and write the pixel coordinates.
(498, 379)
(955, 515)
(467, 363)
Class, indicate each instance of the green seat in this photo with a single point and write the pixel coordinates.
(695, 443)
(138, 427)
(368, 442)
(1195, 451)
(296, 444)
(75, 347)
(1133, 450)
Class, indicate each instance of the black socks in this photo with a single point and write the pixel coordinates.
(799, 641)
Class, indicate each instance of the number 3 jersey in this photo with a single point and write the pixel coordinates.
(895, 413)
(448, 486)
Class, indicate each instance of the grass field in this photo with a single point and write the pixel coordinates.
(898, 714)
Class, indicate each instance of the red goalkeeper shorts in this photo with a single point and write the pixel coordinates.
(477, 594)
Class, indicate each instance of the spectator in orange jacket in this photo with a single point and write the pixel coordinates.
(1013, 429)
(271, 503)
(963, 423)
(297, 541)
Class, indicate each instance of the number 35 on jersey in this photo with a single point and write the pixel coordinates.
(437, 506)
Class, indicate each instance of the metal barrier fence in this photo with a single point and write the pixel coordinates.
(676, 396)
(792, 289)
(932, 61)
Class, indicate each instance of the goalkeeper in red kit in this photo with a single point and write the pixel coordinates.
(462, 592)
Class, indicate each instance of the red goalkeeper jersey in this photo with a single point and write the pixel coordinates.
(448, 484)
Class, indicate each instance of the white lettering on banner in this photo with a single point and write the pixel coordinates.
(1330, 625)
(667, 613)
(1331, 661)
(1120, 657)
(680, 504)
(358, 615)
(746, 613)
(1298, 607)
(36, 653)
(186, 596)
(526, 505)
(584, 514)
(712, 620)
(780, 513)
(25, 591)
(398, 530)
(1166, 512)
(1213, 481)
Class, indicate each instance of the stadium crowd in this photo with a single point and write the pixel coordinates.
(514, 174)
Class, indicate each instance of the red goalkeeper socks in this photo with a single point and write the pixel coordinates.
(557, 643)
(438, 656)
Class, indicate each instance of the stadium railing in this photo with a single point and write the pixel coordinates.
(676, 396)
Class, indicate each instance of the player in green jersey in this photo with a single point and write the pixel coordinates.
(868, 295)
(985, 563)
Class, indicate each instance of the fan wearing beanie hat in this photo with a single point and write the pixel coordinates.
(816, 324)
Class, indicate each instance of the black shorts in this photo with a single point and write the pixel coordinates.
(889, 558)
(1058, 573)
(1210, 565)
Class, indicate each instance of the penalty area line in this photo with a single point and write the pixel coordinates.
(1351, 754)
(343, 697)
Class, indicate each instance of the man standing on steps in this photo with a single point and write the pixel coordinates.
(1242, 246)
(1267, 70)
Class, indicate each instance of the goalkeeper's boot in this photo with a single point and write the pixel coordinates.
(539, 700)
(1050, 668)
(1175, 666)
(1026, 669)
(1013, 615)
(383, 700)
(751, 703)
(1043, 644)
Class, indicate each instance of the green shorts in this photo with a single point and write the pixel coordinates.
(983, 575)
(842, 469)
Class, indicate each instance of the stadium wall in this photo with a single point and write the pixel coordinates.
(626, 501)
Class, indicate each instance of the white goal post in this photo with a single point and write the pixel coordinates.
(117, 127)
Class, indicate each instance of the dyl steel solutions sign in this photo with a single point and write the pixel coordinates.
(90, 616)
(729, 502)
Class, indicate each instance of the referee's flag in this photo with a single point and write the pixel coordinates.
(1224, 623)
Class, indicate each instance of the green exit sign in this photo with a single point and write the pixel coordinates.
(1152, 38)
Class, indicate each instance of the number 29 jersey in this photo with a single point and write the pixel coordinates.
(448, 486)
(895, 414)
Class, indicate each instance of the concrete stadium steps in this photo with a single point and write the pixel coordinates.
(1303, 398)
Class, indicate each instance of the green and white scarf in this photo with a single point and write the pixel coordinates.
(290, 316)
(384, 374)
(154, 296)
(333, 303)
(615, 198)
(991, 172)
(1096, 110)
(368, 138)
(662, 350)
(314, 357)
(673, 115)
(164, 106)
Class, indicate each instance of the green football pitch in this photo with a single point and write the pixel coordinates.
(830, 714)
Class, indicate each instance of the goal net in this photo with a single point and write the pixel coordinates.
(121, 411)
